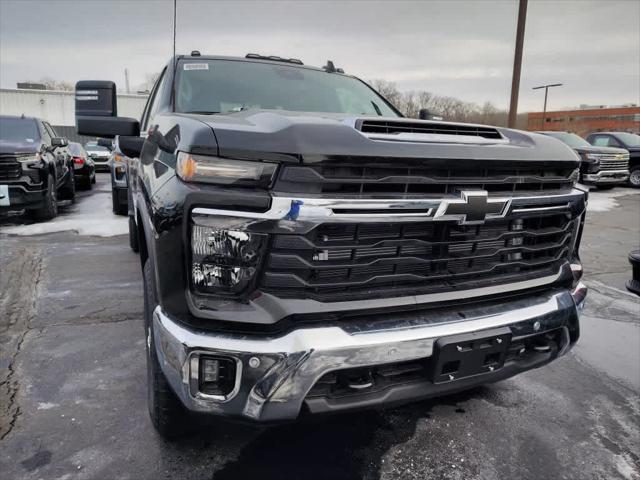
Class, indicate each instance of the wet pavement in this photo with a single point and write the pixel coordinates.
(73, 383)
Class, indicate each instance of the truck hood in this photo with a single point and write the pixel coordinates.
(18, 148)
(594, 149)
(316, 137)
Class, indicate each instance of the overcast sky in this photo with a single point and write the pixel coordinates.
(457, 47)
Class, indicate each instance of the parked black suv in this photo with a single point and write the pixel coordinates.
(604, 167)
(36, 168)
(306, 249)
(628, 141)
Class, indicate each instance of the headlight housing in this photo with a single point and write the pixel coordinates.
(224, 255)
(593, 157)
(30, 160)
(224, 171)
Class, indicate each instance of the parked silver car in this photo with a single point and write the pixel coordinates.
(99, 154)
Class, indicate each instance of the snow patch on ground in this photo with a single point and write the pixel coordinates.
(603, 201)
(91, 215)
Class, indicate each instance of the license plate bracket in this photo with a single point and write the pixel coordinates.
(467, 355)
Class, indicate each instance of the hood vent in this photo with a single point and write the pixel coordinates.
(386, 127)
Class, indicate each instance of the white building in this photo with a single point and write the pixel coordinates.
(58, 108)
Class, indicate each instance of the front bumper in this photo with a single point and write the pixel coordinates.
(606, 177)
(275, 374)
(21, 198)
(101, 164)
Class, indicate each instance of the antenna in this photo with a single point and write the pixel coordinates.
(173, 80)
(174, 28)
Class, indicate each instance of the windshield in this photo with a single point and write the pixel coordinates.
(95, 147)
(222, 86)
(18, 130)
(570, 139)
(629, 139)
(76, 149)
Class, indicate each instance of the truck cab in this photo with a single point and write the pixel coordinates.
(306, 249)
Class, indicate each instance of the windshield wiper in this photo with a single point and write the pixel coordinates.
(201, 112)
(378, 111)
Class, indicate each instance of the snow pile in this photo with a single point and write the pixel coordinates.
(605, 200)
(91, 215)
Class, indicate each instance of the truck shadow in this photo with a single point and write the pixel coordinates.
(343, 446)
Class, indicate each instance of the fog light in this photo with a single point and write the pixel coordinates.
(217, 375)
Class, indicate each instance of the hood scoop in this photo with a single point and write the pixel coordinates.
(421, 131)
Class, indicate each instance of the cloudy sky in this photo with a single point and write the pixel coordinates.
(457, 47)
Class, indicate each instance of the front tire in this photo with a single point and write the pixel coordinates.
(634, 176)
(167, 413)
(50, 208)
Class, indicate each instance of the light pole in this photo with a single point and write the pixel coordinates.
(546, 92)
(517, 63)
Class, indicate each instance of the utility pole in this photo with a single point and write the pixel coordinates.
(546, 92)
(126, 79)
(517, 63)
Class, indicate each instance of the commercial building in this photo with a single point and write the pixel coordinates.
(58, 108)
(587, 119)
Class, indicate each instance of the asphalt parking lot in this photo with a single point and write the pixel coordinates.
(73, 379)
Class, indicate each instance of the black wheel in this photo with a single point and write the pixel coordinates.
(116, 206)
(167, 413)
(133, 235)
(49, 208)
(68, 190)
(634, 176)
(93, 179)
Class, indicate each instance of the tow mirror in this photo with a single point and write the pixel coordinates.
(59, 142)
(106, 143)
(425, 114)
(97, 111)
(131, 146)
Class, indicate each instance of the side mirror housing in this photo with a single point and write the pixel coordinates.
(425, 114)
(131, 146)
(97, 111)
(106, 142)
(59, 142)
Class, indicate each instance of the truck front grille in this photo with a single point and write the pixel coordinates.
(614, 162)
(396, 179)
(10, 168)
(357, 260)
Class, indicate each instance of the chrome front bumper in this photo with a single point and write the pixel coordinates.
(274, 374)
(606, 176)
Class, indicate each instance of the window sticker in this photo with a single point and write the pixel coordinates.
(196, 66)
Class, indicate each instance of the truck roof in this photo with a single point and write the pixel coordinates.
(261, 59)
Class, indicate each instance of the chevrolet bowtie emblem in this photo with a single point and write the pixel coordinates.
(473, 208)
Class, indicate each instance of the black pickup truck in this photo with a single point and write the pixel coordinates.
(625, 140)
(36, 167)
(306, 249)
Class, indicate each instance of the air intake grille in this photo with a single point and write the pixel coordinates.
(398, 179)
(396, 127)
(355, 261)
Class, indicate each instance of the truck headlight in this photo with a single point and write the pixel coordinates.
(32, 160)
(593, 157)
(210, 169)
(224, 258)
